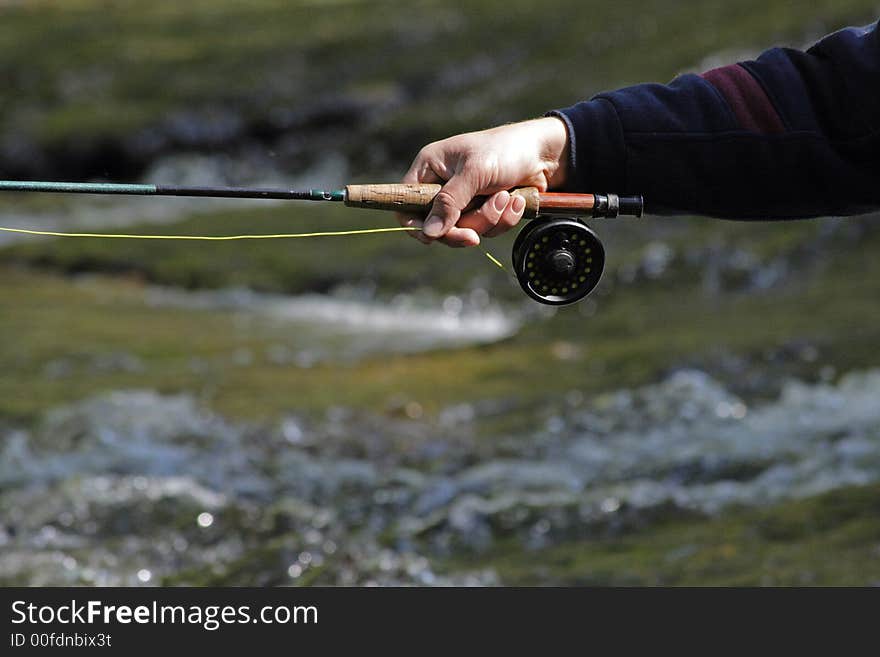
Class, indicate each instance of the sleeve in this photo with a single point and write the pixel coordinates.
(792, 134)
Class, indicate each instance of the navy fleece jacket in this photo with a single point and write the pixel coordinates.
(791, 134)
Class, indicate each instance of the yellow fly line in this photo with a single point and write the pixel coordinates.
(227, 238)
(212, 238)
(494, 260)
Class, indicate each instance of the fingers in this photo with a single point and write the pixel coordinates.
(452, 198)
(411, 221)
(510, 217)
(487, 215)
(456, 237)
(420, 171)
(498, 214)
(460, 237)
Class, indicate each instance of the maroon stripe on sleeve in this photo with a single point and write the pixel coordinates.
(746, 98)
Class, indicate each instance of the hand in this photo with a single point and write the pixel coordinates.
(488, 163)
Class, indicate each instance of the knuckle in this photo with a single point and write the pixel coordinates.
(485, 163)
(444, 200)
(488, 161)
(426, 151)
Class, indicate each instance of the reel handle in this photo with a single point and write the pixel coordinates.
(417, 198)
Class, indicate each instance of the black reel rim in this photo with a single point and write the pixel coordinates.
(558, 260)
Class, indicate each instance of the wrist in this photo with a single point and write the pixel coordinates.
(554, 150)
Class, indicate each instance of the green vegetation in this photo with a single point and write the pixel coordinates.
(83, 70)
(831, 539)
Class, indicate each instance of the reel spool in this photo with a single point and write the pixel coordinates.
(557, 260)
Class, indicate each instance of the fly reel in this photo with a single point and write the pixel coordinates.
(557, 260)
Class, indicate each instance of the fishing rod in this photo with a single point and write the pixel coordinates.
(557, 258)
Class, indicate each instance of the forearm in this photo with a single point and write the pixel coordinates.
(792, 134)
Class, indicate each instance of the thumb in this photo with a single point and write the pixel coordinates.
(452, 198)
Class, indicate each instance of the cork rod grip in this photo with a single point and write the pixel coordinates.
(417, 198)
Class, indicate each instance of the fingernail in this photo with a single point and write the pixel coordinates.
(519, 204)
(501, 200)
(433, 226)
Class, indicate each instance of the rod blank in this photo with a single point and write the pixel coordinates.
(169, 190)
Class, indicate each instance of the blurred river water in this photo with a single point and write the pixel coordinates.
(135, 487)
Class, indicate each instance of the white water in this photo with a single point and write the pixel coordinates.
(352, 323)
